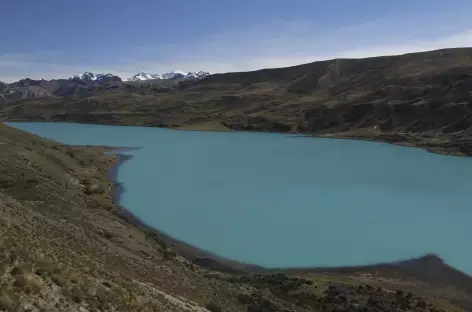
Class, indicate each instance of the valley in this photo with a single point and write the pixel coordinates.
(66, 244)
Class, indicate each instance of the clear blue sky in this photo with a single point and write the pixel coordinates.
(51, 38)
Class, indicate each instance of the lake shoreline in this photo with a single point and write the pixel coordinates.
(207, 259)
(84, 230)
(451, 146)
(447, 145)
(191, 253)
(429, 268)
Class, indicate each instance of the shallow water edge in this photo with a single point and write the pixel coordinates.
(449, 146)
(192, 253)
(154, 194)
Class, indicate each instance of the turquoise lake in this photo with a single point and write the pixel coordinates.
(290, 201)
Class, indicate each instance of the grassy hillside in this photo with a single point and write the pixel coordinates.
(420, 99)
(65, 246)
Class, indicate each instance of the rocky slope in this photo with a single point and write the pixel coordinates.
(89, 84)
(26, 89)
(65, 246)
(420, 99)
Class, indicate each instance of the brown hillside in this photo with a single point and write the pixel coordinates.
(419, 99)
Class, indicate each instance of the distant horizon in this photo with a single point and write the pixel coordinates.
(54, 38)
(211, 73)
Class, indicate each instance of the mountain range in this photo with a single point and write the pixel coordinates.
(87, 76)
(88, 82)
(170, 75)
(177, 74)
(420, 99)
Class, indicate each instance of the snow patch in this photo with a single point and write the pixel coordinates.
(170, 75)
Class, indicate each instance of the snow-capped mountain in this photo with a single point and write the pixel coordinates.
(144, 76)
(88, 76)
(170, 75)
(198, 75)
(176, 74)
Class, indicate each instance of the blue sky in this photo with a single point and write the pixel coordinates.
(58, 38)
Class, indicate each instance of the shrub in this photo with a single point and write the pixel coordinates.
(9, 302)
(75, 294)
(44, 268)
(106, 284)
(168, 253)
(58, 279)
(399, 293)
(21, 268)
(107, 234)
(94, 188)
(245, 299)
(28, 283)
(212, 307)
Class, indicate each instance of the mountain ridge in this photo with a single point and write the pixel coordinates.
(141, 76)
(170, 75)
(418, 99)
(89, 83)
(88, 76)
